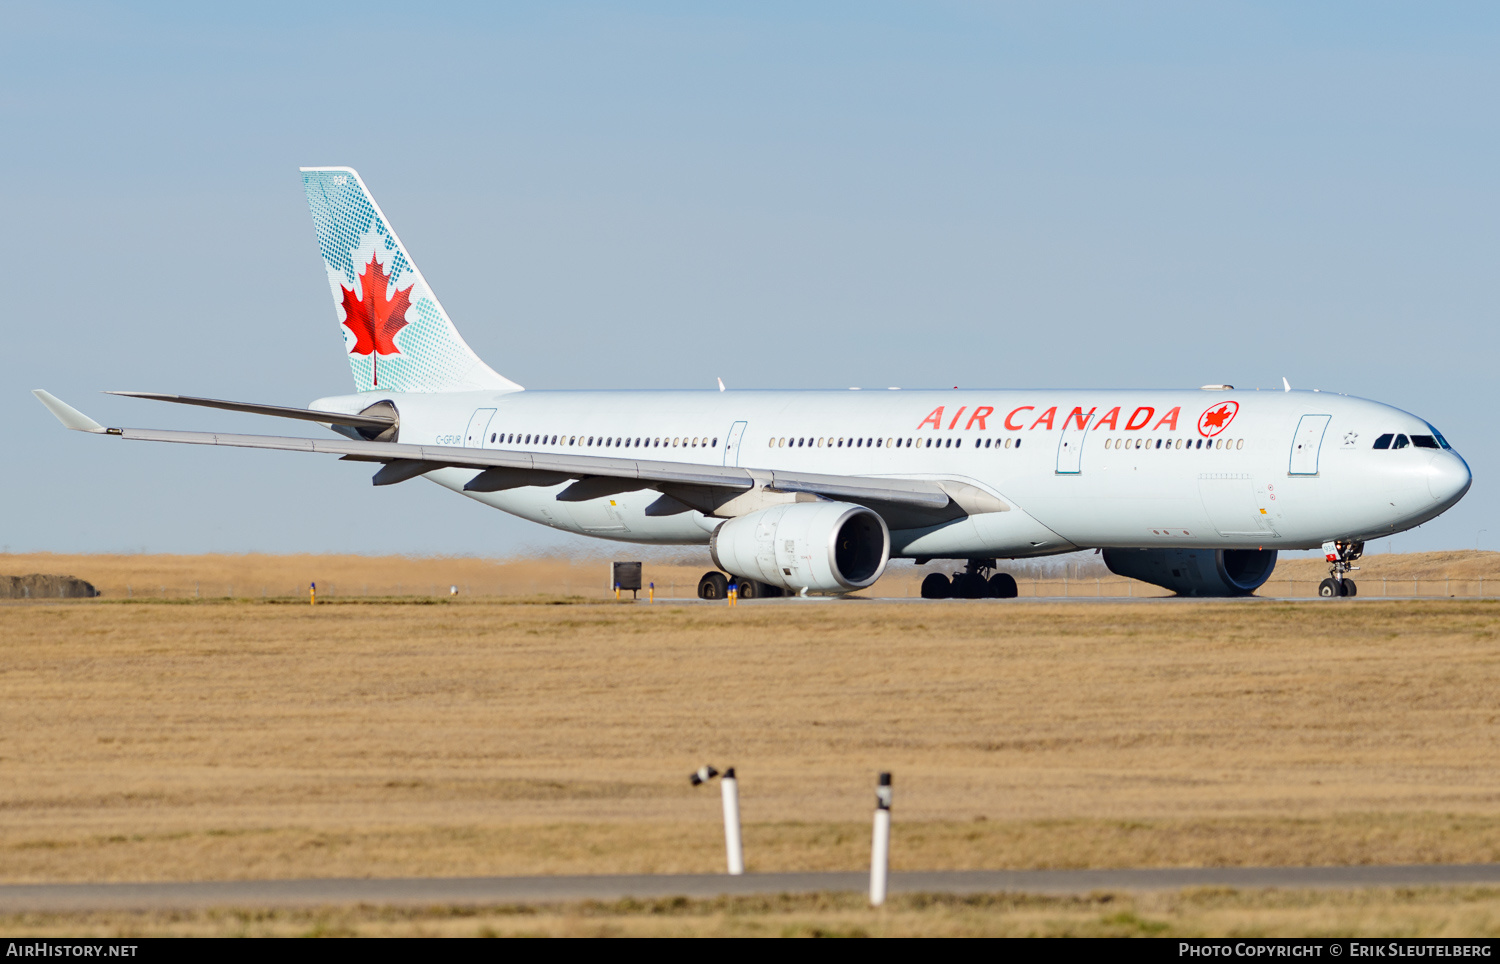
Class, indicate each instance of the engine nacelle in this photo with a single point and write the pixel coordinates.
(818, 546)
(1195, 572)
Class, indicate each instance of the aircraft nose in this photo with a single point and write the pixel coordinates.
(1448, 478)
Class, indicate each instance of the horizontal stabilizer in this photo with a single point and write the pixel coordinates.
(70, 417)
(279, 411)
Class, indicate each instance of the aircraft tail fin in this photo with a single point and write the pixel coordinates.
(396, 333)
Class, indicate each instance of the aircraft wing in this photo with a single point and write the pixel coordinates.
(596, 475)
(280, 411)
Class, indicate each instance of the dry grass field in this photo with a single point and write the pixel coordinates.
(143, 739)
(259, 576)
(1455, 912)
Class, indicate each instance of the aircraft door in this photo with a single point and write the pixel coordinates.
(732, 444)
(1306, 443)
(479, 424)
(1070, 446)
(1234, 506)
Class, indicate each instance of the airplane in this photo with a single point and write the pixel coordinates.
(806, 492)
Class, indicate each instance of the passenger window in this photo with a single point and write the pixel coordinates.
(715, 444)
(492, 438)
(1424, 441)
(1401, 442)
(1018, 443)
(929, 444)
(1239, 443)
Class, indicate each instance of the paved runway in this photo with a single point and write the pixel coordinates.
(15, 898)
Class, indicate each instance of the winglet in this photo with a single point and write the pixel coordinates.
(70, 417)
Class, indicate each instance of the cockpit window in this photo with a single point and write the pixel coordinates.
(1424, 441)
(1384, 442)
(1439, 436)
(1400, 443)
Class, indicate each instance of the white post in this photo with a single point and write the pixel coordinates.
(880, 843)
(732, 846)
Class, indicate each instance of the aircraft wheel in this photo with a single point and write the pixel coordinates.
(713, 585)
(936, 586)
(1350, 589)
(968, 585)
(749, 589)
(1002, 585)
(1329, 589)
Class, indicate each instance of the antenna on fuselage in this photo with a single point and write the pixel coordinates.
(721, 384)
(1285, 384)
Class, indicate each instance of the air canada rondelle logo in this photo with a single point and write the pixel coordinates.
(1217, 418)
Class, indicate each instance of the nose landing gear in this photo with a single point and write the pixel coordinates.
(1341, 555)
(972, 583)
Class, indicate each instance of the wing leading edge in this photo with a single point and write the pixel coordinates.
(596, 475)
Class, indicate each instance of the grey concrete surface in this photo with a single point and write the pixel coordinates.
(18, 898)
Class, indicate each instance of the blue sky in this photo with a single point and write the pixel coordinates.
(784, 195)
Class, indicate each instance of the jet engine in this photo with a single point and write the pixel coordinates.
(1195, 572)
(818, 546)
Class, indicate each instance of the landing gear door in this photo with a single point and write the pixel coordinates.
(732, 444)
(1305, 445)
(1070, 446)
(478, 425)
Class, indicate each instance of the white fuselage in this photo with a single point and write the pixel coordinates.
(1202, 469)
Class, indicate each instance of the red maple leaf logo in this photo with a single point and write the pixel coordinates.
(374, 319)
(1217, 418)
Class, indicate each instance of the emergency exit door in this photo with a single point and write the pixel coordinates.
(1306, 444)
(1070, 446)
(478, 425)
(732, 444)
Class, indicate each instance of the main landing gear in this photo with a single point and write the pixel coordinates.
(977, 581)
(1341, 556)
(715, 585)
